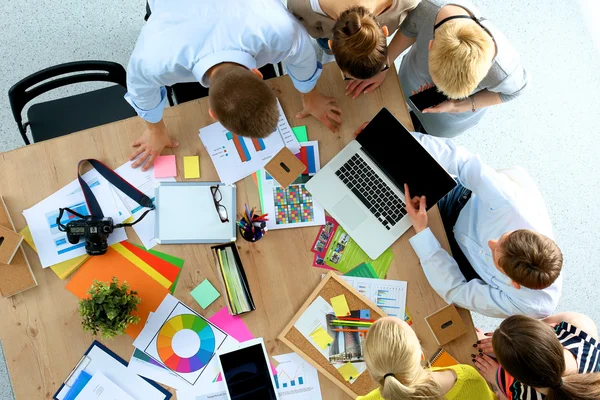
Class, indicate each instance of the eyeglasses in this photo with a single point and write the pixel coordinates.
(221, 210)
(385, 68)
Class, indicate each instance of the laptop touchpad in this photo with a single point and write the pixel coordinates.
(349, 212)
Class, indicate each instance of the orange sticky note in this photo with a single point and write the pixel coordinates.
(340, 306)
(103, 268)
(348, 371)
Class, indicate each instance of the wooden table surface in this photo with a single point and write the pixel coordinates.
(41, 329)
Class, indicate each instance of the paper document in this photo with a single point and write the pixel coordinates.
(389, 295)
(315, 317)
(145, 182)
(51, 244)
(236, 157)
(102, 388)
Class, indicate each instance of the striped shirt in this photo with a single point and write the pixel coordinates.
(583, 346)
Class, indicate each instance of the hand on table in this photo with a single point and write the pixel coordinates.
(357, 86)
(487, 366)
(416, 207)
(148, 146)
(423, 87)
(450, 106)
(325, 109)
(484, 342)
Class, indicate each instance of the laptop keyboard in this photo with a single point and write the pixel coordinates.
(374, 193)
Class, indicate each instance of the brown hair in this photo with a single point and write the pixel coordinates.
(359, 44)
(243, 102)
(530, 259)
(392, 347)
(530, 352)
(460, 57)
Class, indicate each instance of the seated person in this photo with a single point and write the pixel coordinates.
(465, 56)
(221, 44)
(556, 358)
(504, 259)
(355, 31)
(393, 355)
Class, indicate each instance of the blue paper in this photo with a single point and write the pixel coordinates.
(78, 386)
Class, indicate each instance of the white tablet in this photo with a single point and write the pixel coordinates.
(247, 372)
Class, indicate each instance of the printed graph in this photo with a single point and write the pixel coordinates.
(242, 148)
(387, 300)
(285, 379)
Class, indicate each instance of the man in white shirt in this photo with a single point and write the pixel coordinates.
(501, 237)
(224, 42)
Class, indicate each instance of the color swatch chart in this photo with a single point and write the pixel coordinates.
(293, 204)
(389, 295)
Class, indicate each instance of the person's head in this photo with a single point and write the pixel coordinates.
(529, 258)
(530, 352)
(392, 347)
(359, 43)
(242, 102)
(460, 56)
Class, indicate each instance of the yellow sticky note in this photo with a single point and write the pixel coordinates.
(340, 306)
(321, 338)
(191, 167)
(138, 262)
(348, 371)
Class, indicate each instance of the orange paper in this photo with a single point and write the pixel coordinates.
(103, 268)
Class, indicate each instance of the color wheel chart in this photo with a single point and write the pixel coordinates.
(242, 148)
(176, 326)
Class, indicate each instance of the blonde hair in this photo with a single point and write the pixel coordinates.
(460, 57)
(391, 347)
(359, 44)
(242, 102)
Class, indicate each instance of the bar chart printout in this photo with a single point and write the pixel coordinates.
(389, 295)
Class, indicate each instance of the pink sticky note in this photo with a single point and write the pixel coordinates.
(234, 326)
(165, 167)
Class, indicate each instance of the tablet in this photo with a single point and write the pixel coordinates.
(246, 372)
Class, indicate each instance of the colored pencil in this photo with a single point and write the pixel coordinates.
(350, 330)
(356, 319)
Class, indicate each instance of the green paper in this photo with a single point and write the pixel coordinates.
(205, 294)
(176, 261)
(300, 133)
(364, 270)
(260, 196)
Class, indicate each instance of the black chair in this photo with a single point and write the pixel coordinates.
(60, 117)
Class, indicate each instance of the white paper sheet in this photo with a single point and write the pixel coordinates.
(102, 388)
(156, 373)
(315, 317)
(145, 182)
(294, 206)
(387, 294)
(233, 165)
(52, 245)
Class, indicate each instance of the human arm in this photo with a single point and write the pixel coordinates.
(579, 320)
(479, 100)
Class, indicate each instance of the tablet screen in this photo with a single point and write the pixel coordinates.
(247, 374)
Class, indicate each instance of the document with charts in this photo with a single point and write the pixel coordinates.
(387, 294)
(236, 157)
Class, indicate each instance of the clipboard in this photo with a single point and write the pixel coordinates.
(186, 213)
(95, 359)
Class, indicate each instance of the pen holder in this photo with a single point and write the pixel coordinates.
(249, 234)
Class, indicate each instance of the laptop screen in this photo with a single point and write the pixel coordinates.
(391, 146)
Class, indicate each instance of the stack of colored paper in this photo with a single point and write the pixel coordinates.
(150, 273)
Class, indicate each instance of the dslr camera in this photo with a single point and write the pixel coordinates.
(94, 231)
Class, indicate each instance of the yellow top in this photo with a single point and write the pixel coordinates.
(469, 385)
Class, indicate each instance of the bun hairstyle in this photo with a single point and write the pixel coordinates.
(359, 44)
(530, 352)
(393, 357)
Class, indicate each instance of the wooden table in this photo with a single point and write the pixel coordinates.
(41, 329)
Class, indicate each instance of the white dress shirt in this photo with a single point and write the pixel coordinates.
(497, 205)
(183, 39)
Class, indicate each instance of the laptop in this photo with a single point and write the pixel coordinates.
(362, 187)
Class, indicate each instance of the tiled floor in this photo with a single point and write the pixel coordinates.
(552, 130)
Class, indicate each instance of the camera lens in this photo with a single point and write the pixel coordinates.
(106, 229)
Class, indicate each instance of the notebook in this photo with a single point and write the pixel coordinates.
(186, 213)
(441, 359)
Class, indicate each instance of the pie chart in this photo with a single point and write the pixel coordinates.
(186, 343)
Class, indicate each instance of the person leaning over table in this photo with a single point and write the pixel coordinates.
(505, 260)
(355, 31)
(393, 355)
(221, 44)
(556, 358)
(465, 56)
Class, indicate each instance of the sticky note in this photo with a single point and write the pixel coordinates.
(300, 133)
(191, 167)
(340, 306)
(205, 293)
(321, 338)
(165, 167)
(348, 371)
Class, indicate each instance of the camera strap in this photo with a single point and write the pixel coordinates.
(117, 181)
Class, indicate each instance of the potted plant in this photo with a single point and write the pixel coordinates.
(108, 308)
